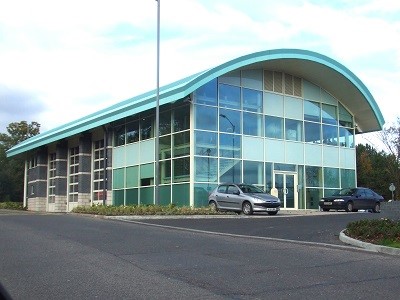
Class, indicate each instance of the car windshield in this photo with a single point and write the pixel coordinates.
(247, 188)
(345, 192)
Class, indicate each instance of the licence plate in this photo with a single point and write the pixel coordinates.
(271, 209)
(327, 203)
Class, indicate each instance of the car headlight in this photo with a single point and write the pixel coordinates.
(258, 200)
(338, 200)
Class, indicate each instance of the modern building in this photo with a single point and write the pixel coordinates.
(284, 119)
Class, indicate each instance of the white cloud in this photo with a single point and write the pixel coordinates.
(81, 56)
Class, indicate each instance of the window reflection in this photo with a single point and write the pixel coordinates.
(252, 124)
(205, 117)
(207, 94)
(252, 100)
(330, 135)
(273, 127)
(229, 96)
(293, 130)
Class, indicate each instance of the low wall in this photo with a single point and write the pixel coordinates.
(390, 210)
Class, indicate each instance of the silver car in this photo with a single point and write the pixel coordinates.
(243, 197)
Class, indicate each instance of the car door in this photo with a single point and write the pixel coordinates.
(359, 199)
(221, 196)
(234, 197)
(369, 199)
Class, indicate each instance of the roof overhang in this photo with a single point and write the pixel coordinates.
(316, 68)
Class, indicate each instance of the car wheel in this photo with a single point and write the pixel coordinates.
(213, 206)
(349, 206)
(247, 209)
(377, 208)
(272, 213)
(325, 209)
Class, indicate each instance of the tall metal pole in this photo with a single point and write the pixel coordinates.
(157, 145)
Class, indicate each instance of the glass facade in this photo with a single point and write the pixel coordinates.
(254, 126)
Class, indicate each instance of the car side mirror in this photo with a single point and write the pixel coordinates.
(237, 193)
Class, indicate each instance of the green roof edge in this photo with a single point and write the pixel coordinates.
(182, 88)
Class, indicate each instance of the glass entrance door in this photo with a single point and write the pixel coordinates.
(286, 184)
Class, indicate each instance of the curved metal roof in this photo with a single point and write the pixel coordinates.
(314, 67)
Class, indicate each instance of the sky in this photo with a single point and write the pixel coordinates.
(62, 60)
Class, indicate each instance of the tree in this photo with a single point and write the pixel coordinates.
(390, 137)
(12, 169)
(374, 169)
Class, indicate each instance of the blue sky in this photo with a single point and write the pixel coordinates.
(61, 60)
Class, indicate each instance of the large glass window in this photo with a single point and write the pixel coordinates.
(146, 128)
(274, 127)
(132, 176)
(118, 178)
(331, 178)
(147, 174)
(181, 118)
(207, 94)
(330, 135)
(181, 168)
(73, 174)
(205, 143)
(165, 147)
(346, 137)
(206, 169)
(313, 176)
(252, 124)
(312, 111)
(312, 198)
(348, 178)
(253, 172)
(229, 96)
(345, 118)
(165, 171)
(132, 132)
(293, 108)
(205, 117)
(230, 145)
(329, 115)
(253, 79)
(119, 136)
(230, 170)
(181, 144)
(273, 104)
(229, 121)
(98, 170)
(293, 130)
(52, 178)
(312, 132)
(252, 100)
(165, 123)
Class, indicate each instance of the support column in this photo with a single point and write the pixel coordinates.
(85, 170)
(37, 181)
(61, 188)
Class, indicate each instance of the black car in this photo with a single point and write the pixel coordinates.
(352, 199)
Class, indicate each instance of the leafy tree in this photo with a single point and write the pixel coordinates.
(12, 169)
(374, 169)
(390, 137)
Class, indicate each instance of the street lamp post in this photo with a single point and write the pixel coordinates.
(157, 142)
(208, 168)
(233, 145)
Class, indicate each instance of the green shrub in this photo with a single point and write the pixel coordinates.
(12, 205)
(110, 210)
(381, 232)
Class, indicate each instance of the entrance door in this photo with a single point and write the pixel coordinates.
(286, 184)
